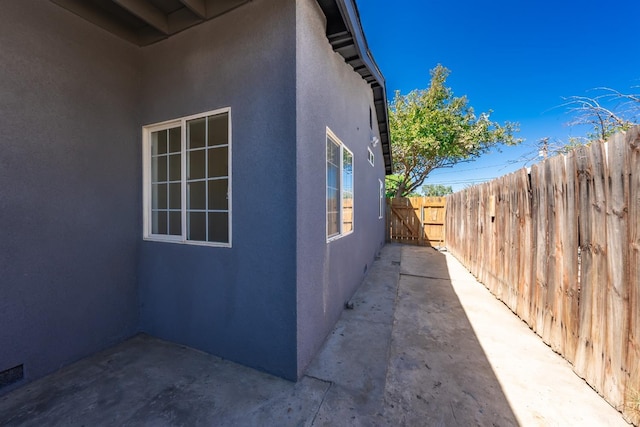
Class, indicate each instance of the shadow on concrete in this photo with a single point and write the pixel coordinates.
(438, 372)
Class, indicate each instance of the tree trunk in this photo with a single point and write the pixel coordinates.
(400, 189)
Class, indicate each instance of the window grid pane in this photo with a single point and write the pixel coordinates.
(159, 142)
(218, 229)
(196, 133)
(347, 191)
(382, 200)
(218, 130)
(175, 140)
(197, 228)
(162, 192)
(175, 222)
(159, 222)
(175, 167)
(333, 188)
(208, 180)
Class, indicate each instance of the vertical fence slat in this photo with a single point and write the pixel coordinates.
(617, 291)
(538, 177)
(553, 307)
(632, 392)
(599, 270)
(494, 239)
(515, 248)
(526, 258)
(570, 286)
(584, 360)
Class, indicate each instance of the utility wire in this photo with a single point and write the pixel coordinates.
(462, 181)
(468, 170)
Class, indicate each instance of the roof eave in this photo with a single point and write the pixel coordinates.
(348, 39)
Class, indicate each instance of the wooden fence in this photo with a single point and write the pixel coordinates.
(561, 247)
(416, 220)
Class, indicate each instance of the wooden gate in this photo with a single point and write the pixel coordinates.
(416, 220)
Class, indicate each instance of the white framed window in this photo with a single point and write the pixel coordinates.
(187, 179)
(381, 205)
(370, 156)
(340, 189)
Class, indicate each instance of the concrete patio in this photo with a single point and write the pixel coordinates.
(424, 345)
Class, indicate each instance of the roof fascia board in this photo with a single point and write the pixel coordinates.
(351, 19)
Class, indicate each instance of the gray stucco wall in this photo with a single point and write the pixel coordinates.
(330, 94)
(239, 302)
(75, 274)
(70, 188)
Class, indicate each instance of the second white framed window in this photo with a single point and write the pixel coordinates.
(340, 189)
(382, 202)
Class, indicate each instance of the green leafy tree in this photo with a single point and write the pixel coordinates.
(436, 190)
(430, 129)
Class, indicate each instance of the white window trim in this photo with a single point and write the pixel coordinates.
(146, 179)
(382, 204)
(341, 233)
(370, 156)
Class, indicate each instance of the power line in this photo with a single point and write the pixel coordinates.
(503, 165)
(467, 170)
(462, 181)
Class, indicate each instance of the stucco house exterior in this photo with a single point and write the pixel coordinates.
(209, 172)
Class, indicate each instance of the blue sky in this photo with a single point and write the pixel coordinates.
(517, 58)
